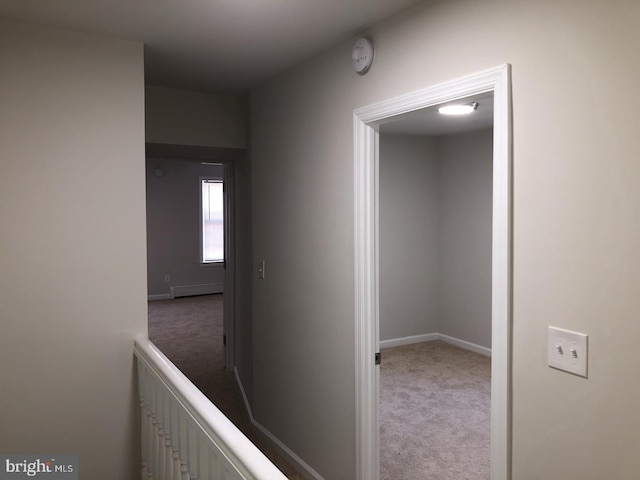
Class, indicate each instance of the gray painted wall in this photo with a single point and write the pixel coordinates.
(182, 117)
(409, 250)
(576, 225)
(173, 224)
(464, 229)
(73, 283)
(435, 236)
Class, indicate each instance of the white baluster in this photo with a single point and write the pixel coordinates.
(192, 450)
(160, 454)
(214, 466)
(143, 437)
(175, 429)
(147, 434)
(144, 376)
(172, 436)
(175, 464)
(141, 377)
(161, 432)
(203, 457)
(183, 442)
(217, 469)
(184, 470)
(150, 432)
(166, 443)
(155, 461)
(168, 457)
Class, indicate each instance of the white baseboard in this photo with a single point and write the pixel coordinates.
(466, 345)
(176, 291)
(303, 467)
(429, 337)
(199, 289)
(163, 296)
(397, 342)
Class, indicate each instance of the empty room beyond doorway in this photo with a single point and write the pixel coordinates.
(435, 204)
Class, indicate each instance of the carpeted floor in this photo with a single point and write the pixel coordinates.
(434, 405)
(189, 332)
(434, 413)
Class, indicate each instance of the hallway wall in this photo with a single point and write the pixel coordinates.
(73, 283)
(576, 225)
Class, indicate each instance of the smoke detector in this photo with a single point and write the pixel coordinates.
(362, 55)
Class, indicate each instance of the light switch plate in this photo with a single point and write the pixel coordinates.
(568, 351)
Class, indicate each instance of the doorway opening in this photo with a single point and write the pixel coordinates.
(188, 255)
(367, 125)
(435, 196)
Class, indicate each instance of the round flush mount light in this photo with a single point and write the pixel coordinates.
(362, 55)
(458, 109)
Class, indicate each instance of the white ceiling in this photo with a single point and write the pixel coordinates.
(218, 46)
(429, 122)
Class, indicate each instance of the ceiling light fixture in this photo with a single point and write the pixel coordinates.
(458, 109)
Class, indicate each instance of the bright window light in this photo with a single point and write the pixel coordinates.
(212, 221)
(458, 109)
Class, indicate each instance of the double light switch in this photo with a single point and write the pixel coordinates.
(568, 351)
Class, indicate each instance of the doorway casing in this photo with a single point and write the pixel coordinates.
(366, 175)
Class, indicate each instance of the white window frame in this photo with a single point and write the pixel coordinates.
(201, 258)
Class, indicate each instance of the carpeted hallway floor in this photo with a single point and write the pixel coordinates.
(434, 405)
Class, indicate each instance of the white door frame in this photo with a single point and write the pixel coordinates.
(366, 142)
(229, 297)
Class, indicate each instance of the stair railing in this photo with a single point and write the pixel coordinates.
(184, 436)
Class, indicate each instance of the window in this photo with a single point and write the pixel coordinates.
(212, 220)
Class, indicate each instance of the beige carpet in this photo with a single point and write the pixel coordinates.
(434, 413)
(189, 332)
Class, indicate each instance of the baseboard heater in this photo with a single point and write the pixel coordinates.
(200, 289)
